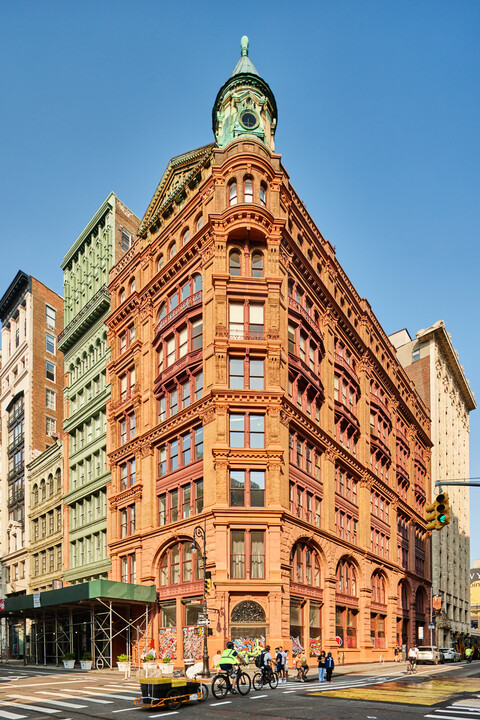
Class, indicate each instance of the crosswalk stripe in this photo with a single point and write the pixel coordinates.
(119, 697)
(10, 715)
(86, 699)
(52, 702)
(47, 711)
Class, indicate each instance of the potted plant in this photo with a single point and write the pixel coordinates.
(86, 661)
(149, 662)
(167, 666)
(69, 661)
(123, 663)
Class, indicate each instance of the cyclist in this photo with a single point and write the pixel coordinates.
(412, 658)
(228, 659)
(267, 663)
(469, 654)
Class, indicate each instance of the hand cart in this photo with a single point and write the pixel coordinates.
(169, 693)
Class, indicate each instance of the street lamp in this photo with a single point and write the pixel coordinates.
(200, 532)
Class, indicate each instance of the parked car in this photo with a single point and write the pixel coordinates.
(429, 654)
(450, 655)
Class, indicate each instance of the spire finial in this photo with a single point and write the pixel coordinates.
(244, 45)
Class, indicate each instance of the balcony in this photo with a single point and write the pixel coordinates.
(189, 302)
(95, 308)
(296, 307)
(380, 404)
(340, 360)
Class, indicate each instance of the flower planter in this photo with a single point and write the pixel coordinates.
(166, 668)
(69, 664)
(86, 664)
(124, 666)
(149, 665)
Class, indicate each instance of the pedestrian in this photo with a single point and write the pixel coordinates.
(321, 666)
(216, 659)
(395, 653)
(278, 662)
(297, 664)
(329, 665)
(305, 667)
(285, 667)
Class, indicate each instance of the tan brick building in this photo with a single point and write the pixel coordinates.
(31, 382)
(256, 396)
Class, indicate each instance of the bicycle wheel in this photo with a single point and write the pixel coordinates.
(219, 687)
(273, 680)
(244, 683)
(173, 699)
(257, 681)
(203, 693)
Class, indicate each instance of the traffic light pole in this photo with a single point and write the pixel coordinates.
(200, 532)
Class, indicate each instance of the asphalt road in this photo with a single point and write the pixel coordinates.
(384, 693)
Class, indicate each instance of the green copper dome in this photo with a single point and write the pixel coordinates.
(245, 105)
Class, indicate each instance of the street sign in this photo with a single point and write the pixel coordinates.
(431, 626)
(203, 622)
(212, 610)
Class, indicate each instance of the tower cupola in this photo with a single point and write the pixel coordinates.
(245, 105)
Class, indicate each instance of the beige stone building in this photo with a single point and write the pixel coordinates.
(432, 363)
(45, 519)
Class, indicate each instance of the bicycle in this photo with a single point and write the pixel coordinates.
(412, 666)
(266, 675)
(221, 682)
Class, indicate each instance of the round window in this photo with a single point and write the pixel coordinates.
(249, 120)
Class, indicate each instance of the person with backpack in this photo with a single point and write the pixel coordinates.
(228, 659)
(264, 661)
(305, 668)
(321, 666)
(329, 665)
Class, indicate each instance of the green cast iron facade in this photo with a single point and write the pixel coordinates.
(84, 344)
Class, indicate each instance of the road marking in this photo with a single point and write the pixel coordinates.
(225, 702)
(164, 714)
(47, 711)
(287, 692)
(124, 710)
(256, 697)
(120, 697)
(11, 716)
(52, 702)
(37, 684)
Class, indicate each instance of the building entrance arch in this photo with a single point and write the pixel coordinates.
(248, 625)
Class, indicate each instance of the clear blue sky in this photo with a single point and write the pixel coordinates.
(378, 127)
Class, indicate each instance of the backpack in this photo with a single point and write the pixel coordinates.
(259, 660)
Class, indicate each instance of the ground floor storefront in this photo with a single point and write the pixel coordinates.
(100, 618)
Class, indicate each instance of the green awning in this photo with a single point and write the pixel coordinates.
(104, 589)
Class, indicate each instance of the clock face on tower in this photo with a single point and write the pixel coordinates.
(249, 120)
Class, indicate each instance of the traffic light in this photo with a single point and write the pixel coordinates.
(431, 516)
(438, 513)
(208, 583)
(443, 510)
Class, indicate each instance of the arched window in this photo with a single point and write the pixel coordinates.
(305, 565)
(197, 282)
(378, 588)
(299, 241)
(132, 285)
(234, 258)
(35, 494)
(160, 262)
(121, 295)
(263, 195)
(180, 564)
(199, 223)
(248, 190)
(232, 193)
(50, 486)
(58, 481)
(43, 491)
(185, 236)
(420, 601)
(346, 578)
(172, 250)
(161, 312)
(257, 264)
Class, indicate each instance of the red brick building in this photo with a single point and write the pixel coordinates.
(255, 394)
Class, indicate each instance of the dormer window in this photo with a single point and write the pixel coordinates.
(248, 190)
(232, 194)
(234, 262)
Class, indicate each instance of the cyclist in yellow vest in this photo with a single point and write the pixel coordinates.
(228, 659)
